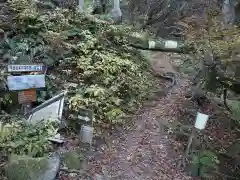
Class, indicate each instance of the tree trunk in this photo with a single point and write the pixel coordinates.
(159, 44)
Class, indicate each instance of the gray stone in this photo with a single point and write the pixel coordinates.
(116, 15)
(228, 12)
(116, 12)
(28, 168)
(73, 160)
(98, 177)
(73, 174)
(52, 170)
(57, 139)
(45, 4)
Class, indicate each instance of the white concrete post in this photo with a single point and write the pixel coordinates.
(81, 4)
(116, 12)
(116, 4)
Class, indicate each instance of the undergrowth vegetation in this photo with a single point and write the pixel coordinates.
(19, 137)
(217, 51)
(217, 58)
(108, 76)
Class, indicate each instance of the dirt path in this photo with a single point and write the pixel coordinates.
(146, 152)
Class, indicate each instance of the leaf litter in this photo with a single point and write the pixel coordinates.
(146, 151)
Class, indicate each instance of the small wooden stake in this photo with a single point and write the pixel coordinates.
(190, 142)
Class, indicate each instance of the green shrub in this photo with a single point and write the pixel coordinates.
(204, 164)
(111, 76)
(21, 138)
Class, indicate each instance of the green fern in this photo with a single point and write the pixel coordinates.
(204, 164)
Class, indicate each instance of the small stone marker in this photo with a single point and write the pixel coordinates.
(86, 132)
(116, 12)
(81, 5)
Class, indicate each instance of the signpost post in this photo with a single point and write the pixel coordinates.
(200, 124)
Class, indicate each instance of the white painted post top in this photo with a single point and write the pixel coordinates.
(201, 121)
(116, 4)
(169, 44)
(81, 4)
(151, 44)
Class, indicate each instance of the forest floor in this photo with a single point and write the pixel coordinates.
(145, 149)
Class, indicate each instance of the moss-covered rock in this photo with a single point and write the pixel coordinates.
(73, 160)
(28, 168)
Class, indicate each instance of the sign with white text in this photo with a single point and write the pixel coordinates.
(25, 68)
(25, 82)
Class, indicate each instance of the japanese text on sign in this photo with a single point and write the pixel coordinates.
(25, 82)
(27, 96)
(24, 68)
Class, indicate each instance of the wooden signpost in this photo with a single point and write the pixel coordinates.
(25, 83)
(200, 124)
